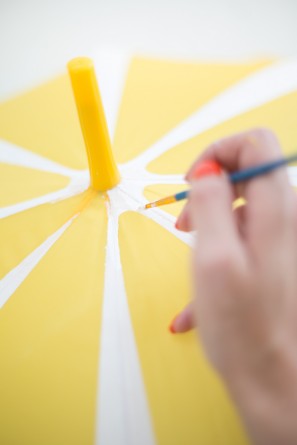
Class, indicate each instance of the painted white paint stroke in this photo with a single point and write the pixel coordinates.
(140, 176)
(15, 155)
(167, 221)
(16, 276)
(77, 185)
(135, 200)
(255, 90)
(123, 416)
(131, 191)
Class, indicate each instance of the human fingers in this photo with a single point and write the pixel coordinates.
(236, 152)
(269, 197)
(183, 221)
(203, 168)
(184, 321)
(241, 151)
(210, 211)
(210, 197)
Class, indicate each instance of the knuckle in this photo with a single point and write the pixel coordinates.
(263, 136)
(220, 262)
(204, 190)
(262, 145)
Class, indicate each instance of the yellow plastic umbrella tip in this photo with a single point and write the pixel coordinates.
(103, 169)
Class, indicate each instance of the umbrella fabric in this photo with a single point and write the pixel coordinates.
(88, 285)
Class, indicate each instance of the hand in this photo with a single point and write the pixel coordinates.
(245, 283)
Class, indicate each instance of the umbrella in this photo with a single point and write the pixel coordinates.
(88, 284)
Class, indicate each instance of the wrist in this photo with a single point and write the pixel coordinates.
(266, 397)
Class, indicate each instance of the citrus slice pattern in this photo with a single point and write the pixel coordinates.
(88, 284)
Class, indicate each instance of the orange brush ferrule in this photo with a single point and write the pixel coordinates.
(161, 202)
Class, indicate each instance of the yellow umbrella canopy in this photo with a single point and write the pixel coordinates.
(88, 284)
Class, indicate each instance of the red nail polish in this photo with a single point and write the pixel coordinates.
(176, 225)
(171, 329)
(206, 168)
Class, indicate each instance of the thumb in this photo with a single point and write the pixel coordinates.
(210, 211)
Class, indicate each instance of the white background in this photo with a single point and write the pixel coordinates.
(38, 37)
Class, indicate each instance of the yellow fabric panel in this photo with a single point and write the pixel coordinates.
(23, 232)
(159, 94)
(187, 402)
(158, 191)
(49, 341)
(20, 184)
(279, 115)
(44, 120)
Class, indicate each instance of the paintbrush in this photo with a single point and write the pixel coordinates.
(235, 177)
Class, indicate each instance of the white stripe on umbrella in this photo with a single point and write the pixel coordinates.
(253, 91)
(16, 276)
(123, 413)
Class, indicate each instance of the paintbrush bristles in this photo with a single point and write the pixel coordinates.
(150, 205)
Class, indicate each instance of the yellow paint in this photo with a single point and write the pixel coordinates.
(23, 232)
(187, 402)
(49, 331)
(159, 94)
(103, 170)
(279, 115)
(27, 183)
(44, 120)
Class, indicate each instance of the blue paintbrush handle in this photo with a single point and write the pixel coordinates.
(249, 173)
(258, 170)
(181, 195)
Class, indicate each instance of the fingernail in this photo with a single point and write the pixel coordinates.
(176, 225)
(174, 327)
(206, 168)
(171, 328)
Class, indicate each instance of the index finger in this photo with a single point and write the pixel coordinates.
(241, 150)
(270, 196)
